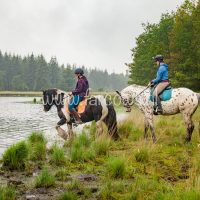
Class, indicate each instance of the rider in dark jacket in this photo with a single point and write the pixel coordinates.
(81, 90)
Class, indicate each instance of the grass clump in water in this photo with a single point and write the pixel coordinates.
(45, 179)
(116, 167)
(57, 156)
(142, 156)
(67, 196)
(15, 157)
(7, 193)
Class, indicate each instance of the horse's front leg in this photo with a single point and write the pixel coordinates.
(70, 130)
(99, 125)
(63, 134)
(146, 127)
(149, 119)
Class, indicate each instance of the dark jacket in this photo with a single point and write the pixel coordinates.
(82, 87)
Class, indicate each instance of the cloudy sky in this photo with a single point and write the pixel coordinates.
(94, 33)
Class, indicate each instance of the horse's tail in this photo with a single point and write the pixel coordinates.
(111, 121)
(198, 96)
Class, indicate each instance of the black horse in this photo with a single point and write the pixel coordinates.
(98, 109)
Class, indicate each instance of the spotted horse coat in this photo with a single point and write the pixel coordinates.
(98, 109)
(183, 101)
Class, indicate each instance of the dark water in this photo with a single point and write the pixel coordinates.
(19, 118)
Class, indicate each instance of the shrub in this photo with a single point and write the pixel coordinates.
(45, 179)
(38, 151)
(116, 167)
(15, 157)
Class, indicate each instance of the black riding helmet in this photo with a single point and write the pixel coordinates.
(79, 71)
(159, 58)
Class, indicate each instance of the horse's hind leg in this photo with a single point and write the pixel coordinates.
(189, 125)
(146, 128)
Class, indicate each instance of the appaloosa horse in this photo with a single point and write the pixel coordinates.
(183, 101)
(98, 108)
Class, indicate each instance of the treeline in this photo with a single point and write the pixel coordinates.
(177, 37)
(34, 73)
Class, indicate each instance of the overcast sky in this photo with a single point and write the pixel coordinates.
(94, 33)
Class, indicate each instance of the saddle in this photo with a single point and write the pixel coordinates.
(81, 106)
(165, 95)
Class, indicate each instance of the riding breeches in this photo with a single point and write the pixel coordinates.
(76, 99)
(160, 87)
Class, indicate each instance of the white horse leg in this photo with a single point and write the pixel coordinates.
(70, 131)
(146, 128)
(189, 126)
(149, 119)
(63, 134)
(99, 125)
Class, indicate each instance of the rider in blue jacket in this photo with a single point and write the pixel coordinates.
(160, 82)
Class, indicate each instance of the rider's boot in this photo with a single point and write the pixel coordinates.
(157, 106)
(76, 116)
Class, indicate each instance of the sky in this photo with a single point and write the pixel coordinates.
(93, 33)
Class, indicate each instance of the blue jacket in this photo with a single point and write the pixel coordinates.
(162, 74)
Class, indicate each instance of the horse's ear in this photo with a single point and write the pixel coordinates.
(118, 93)
(43, 92)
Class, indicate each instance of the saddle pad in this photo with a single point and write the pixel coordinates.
(164, 96)
(80, 108)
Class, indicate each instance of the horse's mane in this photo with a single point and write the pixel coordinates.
(129, 88)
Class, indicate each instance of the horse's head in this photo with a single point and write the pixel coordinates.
(126, 100)
(52, 97)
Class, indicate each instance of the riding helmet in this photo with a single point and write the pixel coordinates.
(79, 71)
(159, 58)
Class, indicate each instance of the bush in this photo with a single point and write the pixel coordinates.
(45, 179)
(15, 157)
(7, 193)
(57, 156)
(116, 167)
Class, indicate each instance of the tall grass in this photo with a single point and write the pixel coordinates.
(7, 193)
(116, 167)
(57, 156)
(45, 179)
(37, 143)
(68, 196)
(16, 156)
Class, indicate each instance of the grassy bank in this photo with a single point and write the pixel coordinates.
(89, 168)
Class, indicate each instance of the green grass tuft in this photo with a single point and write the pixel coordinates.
(67, 196)
(58, 156)
(15, 157)
(45, 179)
(101, 145)
(142, 156)
(116, 167)
(7, 193)
(36, 137)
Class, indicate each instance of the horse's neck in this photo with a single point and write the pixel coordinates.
(141, 98)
